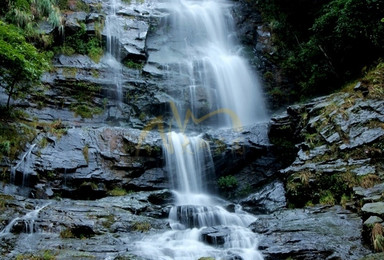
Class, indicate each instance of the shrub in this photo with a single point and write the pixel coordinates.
(227, 182)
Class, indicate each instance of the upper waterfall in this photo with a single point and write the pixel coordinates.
(203, 49)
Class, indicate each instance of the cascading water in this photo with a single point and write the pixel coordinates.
(201, 53)
(200, 228)
(24, 163)
(112, 56)
(28, 220)
(203, 41)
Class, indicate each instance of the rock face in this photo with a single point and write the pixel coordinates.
(334, 146)
(313, 233)
(87, 163)
(338, 140)
(267, 200)
(69, 229)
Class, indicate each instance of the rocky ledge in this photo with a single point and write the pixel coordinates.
(333, 151)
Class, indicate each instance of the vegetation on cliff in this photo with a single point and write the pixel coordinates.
(323, 44)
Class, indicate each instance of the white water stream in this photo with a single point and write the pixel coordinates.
(204, 43)
(28, 221)
(200, 226)
(113, 53)
(24, 164)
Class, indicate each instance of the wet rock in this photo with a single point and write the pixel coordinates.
(152, 179)
(161, 198)
(362, 136)
(366, 193)
(45, 27)
(312, 233)
(376, 209)
(81, 231)
(269, 199)
(215, 235)
(377, 256)
(372, 220)
(74, 20)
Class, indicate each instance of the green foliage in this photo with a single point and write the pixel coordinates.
(228, 182)
(325, 188)
(80, 42)
(322, 44)
(45, 255)
(13, 138)
(86, 111)
(21, 64)
(133, 64)
(327, 198)
(109, 220)
(27, 13)
(84, 93)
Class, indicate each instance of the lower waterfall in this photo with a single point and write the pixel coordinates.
(200, 225)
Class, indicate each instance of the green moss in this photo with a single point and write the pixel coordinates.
(86, 153)
(43, 142)
(44, 255)
(117, 192)
(344, 200)
(133, 64)
(142, 116)
(67, 233)
(86, 111)
(317, 187)
(95, 73)
(89, 184)
(70, 72)
(141, 226)
(109, 220)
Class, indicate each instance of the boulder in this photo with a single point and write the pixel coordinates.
(375, 209)
(267, 200)
(312, 233)
(215, 235)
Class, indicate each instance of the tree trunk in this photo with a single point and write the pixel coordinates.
(11, 92)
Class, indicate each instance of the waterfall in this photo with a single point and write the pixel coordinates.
(28, 221)
(24, 163)
(202, 57)
(203, 41)
(189, 163)
(200, 226)
(113, 52)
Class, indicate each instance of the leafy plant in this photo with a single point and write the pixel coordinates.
(228, 182)
(21, 64)
(327, 198)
